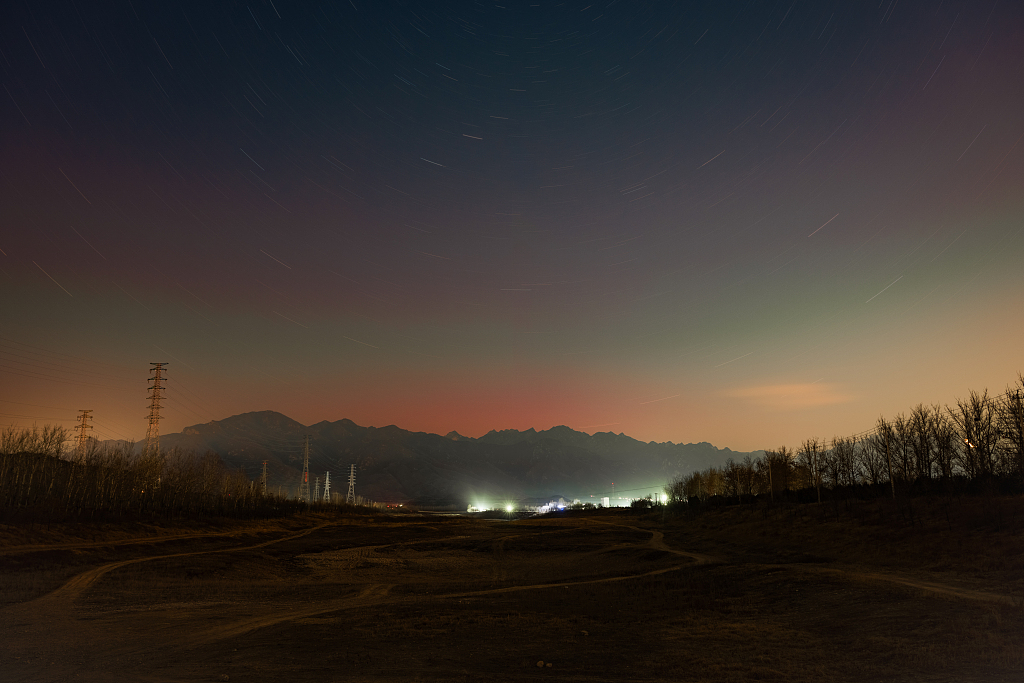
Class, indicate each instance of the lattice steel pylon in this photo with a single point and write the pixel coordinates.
(304, 486)
(350, 497)
(263, 480)
(83, 431)
(155, 396)
(316, 491)
(327, 488)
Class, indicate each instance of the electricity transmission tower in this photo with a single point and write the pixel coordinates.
(327, 488)
(83, 429)
(316, 491)
(351, 496)
(155, 396)
(264, 479)
(304, 486)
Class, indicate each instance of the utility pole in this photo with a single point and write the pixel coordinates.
(350, 498)
(83, 429)
(327, 488)
(264, 479)
(304, 486)
(155, 396)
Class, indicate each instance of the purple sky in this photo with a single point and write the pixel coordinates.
(745, 223)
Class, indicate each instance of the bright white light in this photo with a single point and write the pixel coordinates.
(509, 508)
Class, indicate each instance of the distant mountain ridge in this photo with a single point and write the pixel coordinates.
(396, 465)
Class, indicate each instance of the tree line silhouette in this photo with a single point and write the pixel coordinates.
(977, 444)
(43, 480)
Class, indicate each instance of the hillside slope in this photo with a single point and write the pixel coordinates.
(394, 464)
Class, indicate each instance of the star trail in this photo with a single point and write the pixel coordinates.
(735, 222)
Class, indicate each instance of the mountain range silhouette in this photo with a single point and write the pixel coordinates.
(396, 465)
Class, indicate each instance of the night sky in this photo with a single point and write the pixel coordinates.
(747, 223)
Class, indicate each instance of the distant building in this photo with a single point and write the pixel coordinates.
(606, 502)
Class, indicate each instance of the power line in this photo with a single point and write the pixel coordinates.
(184, 407)
(39, 417)
(37, 375)
(184, 387)
(20, 403)
(54, 366)
(58, 353)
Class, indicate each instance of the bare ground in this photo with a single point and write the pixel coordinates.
(601, 598)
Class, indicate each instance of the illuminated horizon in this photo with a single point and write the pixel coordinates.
(682, 224)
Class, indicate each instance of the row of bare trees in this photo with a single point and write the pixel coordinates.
(981, 438)
(41, 479)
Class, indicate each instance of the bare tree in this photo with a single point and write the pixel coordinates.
(714, 482)
(701, 485)
(975, 419)
(871, 459)
(809, 457)
(774, 470)
(922, 445)
(676, 489)
(844, 461)
(830, 475)
(1011, 425)
(879, 453)
(747, 473)
(902, 448)
(944, 437)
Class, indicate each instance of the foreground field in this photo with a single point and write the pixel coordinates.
(606, 597)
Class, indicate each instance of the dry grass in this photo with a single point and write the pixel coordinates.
(461, 600)
(968, 541)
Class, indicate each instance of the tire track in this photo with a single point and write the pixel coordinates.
(376, 595)
(22, 549)
(73, 588)
(927, 586)
(373, 594)
(658, 542)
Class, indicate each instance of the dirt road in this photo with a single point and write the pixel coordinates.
(463, 586)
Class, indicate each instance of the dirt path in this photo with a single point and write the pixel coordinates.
(47, 636)
(657, 542)
(44, 641)
(82, 545)
(73, 588)
(61, 600)
(376, 595)
(859, 574)
(373, 594)
(853, 573)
